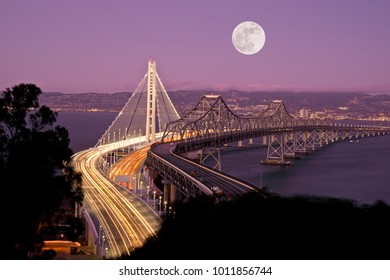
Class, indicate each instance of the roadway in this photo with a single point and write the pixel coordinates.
(127, 221)
(231, 187)
(130, 165)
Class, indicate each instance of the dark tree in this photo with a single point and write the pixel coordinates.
(34, 172)
(276, 228)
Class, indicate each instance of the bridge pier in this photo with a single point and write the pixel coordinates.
(170, 195)
(335, 135)
(289, 145)
(250, 141)
(240, 145)
(275, 152)
(170, 192)
(173, 194)
(93, 234)
(214, 153)
(311, 140)
(300, 142)
(317, 138)
(89, 236)
(324, 137)
(166, 191)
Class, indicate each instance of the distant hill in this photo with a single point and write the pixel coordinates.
(354, 105)
(109, 102)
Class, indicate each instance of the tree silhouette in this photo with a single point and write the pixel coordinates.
(255, 227)
(34, 171)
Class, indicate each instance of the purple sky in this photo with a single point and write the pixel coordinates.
(103, 46)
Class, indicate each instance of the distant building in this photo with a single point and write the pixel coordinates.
(320, 115)
(304, 113)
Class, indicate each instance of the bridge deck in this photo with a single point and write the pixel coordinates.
(230, 186)
(126, 220)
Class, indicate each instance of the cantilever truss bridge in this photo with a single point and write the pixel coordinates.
(211, 124)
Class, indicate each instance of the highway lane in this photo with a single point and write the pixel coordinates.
(130, 165)
(230, 186)
(126, 220)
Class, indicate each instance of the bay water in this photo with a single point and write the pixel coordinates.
(353, 170)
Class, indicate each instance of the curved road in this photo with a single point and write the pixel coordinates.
(231, 187)
(130, 165)
(127, 221)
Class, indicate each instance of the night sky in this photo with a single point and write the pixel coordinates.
(78, 46)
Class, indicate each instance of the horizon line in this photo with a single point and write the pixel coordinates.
(371, 92)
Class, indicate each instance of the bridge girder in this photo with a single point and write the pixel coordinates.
(212, 124)
(187, 185)
(212, 117)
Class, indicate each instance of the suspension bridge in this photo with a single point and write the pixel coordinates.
(171, 157)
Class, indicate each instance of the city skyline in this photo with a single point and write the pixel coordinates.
(102, 46)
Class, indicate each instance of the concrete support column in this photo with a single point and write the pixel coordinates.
(151, 103)
(89, 238)
(167, 191)
(77, 210)
(335, 135)
(264, 140)
(251, 141)
(172, 194)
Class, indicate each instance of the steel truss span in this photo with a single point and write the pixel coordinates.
(212, 124)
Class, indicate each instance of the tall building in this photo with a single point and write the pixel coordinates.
(304, 113)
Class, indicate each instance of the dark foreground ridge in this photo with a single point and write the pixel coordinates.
(254, 227)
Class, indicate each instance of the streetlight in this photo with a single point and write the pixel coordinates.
(134, 141)
(134, 188)
(165, 205)
(154, 200)
(140, 189)
(139, 135)
(159, 204)
(100, 234)
(125, 138)
(147, 194)
(103, 253)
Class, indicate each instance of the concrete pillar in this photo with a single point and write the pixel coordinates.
(172, 194)
(240, 144)
(90, 240)
(77, 210)
(264, 140)
(151, 103)
(334, 135)
(167, 190)
(251, 141)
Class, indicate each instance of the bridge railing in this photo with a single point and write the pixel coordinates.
(97, 235)
(188, 184)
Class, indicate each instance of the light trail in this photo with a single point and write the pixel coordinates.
(126, 220)
(130, 165)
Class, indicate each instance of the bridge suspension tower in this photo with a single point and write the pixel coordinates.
(147, 112)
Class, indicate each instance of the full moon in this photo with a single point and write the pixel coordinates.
(248, 37)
